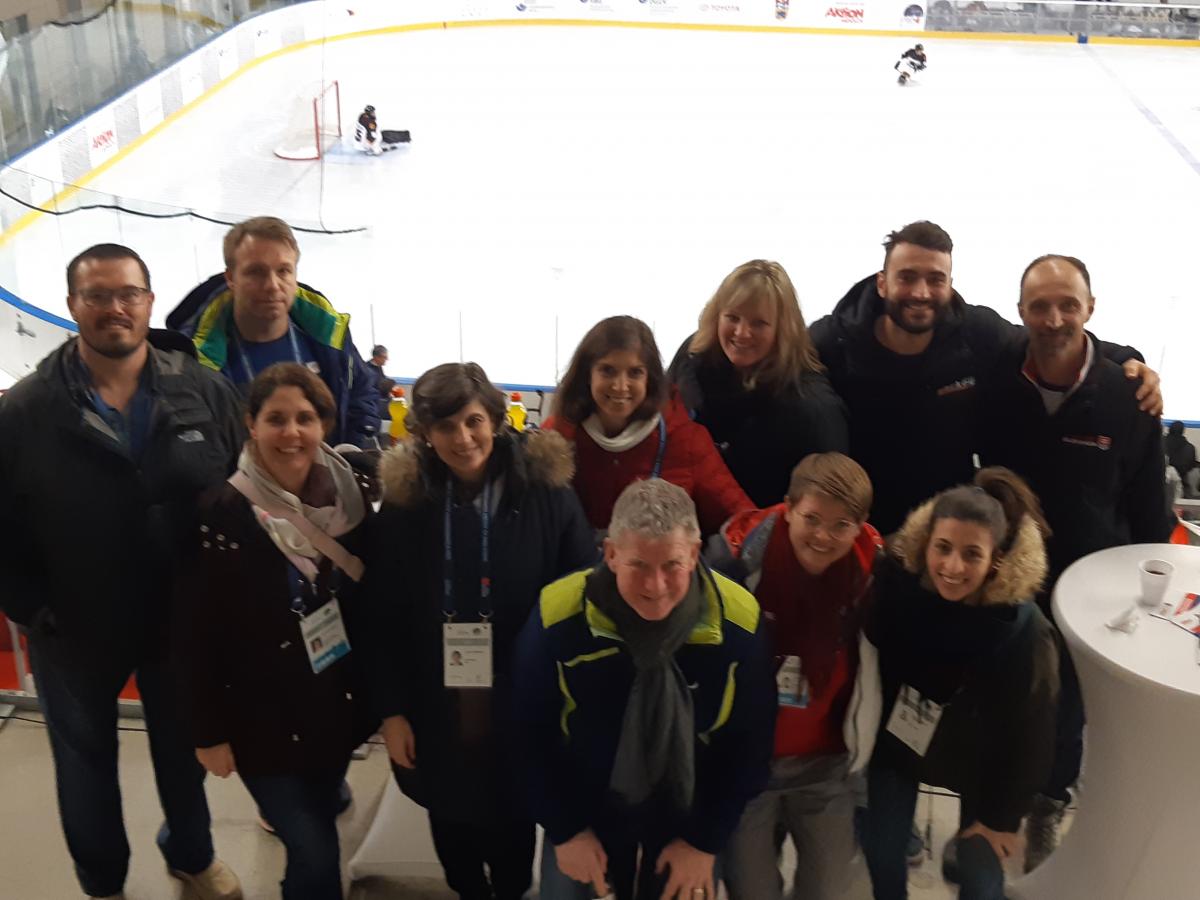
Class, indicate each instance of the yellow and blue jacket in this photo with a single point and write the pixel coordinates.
(573, 676)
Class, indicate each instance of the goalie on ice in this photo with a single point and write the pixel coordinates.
(910, 63)
(370, 139)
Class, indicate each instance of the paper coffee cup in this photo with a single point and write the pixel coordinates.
(1156, 575)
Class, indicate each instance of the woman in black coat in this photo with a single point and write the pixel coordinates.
(444, 615)
(265, 624)
(751, 376)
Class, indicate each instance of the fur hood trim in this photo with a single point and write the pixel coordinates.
(534, 457)
(1021, 572)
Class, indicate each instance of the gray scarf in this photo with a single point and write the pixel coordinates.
(656, 752)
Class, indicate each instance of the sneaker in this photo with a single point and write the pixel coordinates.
(217, 882)
(916, 848)
(1041, 830)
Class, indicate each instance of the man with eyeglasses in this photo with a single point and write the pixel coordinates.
(809, 562)
(103, 450)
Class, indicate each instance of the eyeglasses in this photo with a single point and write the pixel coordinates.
(128, 297)
(840, 529)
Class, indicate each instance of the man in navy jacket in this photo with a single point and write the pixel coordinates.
(646, 712)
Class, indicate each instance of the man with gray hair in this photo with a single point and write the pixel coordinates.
(646, 710)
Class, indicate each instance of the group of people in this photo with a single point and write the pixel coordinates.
(762, 592)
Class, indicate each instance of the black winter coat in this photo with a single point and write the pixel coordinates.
(1097, 464)
(538, 534)
(245, 678)
(761, 433)
(993, 666)
(88, 535)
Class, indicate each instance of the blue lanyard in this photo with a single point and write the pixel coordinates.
(249, 369)
(656, 472)
(485, 581)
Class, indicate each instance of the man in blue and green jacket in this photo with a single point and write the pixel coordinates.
(646, 709)
(256, 313)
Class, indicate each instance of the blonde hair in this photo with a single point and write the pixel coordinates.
(762, 282)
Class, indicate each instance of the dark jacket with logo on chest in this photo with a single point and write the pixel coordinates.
(992, 666)
(538, 534)
(1097, 464)
(914, 420)
(245, 676)
(88, 534)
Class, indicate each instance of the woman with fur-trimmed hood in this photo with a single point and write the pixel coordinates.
(476, 520)
(968, 668)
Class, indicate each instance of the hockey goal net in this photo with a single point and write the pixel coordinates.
(315, 123)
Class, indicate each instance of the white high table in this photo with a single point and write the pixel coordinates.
(1136, 835)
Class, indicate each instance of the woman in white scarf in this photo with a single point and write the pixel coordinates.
(266, 608)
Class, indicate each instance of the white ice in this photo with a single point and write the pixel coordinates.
(561, 174)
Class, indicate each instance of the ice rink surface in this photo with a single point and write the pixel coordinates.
(561, 174)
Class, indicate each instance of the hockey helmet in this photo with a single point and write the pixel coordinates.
(919, 47)
(371, 109)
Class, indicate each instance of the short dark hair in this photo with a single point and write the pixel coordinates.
(445, 389)
(104, 251)
(573, 397)
(1069, 260)
(923, 234)
(379, 350)
(290, 374)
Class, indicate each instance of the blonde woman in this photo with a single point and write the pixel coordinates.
(751, 376)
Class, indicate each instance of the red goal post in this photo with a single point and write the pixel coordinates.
(315, 123)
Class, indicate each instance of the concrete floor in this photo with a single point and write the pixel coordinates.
(34, 864)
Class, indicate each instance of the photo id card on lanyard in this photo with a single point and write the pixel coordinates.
(791, 686)
(914, 720)
(324, 636)
(467, 646)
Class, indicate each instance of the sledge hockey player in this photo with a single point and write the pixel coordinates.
(910, 63)
(366, 132)
(370, 139)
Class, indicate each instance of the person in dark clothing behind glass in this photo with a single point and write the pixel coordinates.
(750, 376)
(476, 519)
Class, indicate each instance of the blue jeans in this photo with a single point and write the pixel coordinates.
(891, 804)
(80, 705)
(303, 810)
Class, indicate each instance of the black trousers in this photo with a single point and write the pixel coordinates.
(506, 849)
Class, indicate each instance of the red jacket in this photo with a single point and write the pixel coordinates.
(690, 460)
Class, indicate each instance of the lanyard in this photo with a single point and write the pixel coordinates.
(656, 472)
(249, 369)
(485, 581)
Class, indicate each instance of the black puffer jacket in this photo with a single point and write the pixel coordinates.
(993, 666)
(538, 534)
(762, 433)
(88, 535)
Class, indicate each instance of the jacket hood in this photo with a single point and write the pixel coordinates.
(857, 311)
(207, 312)
(533, 457)
(1019, 577)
